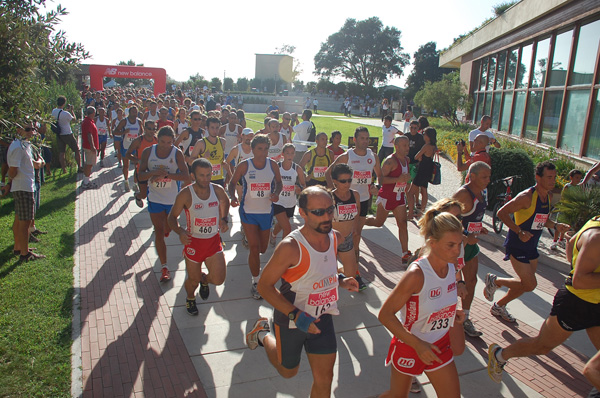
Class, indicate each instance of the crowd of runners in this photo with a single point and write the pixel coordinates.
(180, 156)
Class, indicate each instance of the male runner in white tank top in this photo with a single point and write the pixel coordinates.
(206, 206)
(104, 130)
(152, 113)
(306, 263)
(231, 132)
(241, 152)
(129, 128)
(162, 165)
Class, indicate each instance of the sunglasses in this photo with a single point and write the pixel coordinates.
(348, 181)
(321, 212)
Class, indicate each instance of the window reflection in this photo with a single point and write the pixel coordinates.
(483, 80)
(523, 72)
(501, 68)
(593, 148)
(585, 55)
(491, 73)
(533, 114)
(496, 110)
(577, 103)
(517, 121)
(551, 115)
(541, 63)
(560, 60)
(512, 68)
(508, 98)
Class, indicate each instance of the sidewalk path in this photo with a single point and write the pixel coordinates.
(136, 339)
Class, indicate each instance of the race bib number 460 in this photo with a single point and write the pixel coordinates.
(361, 177)
(205, 225)
(260, 190)
(442, 319)
(539, 221)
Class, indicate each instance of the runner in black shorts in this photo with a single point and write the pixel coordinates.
(576, 307)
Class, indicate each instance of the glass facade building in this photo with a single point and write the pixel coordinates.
(541, 82)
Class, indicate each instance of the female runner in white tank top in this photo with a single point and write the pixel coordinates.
(294, 181)
(181, 123)
(429, 331)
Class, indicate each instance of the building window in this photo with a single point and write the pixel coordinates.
(488, 104)
(593, 148)
(519, 111)
(551, 116)
(501, 68)
(572, 128)
(512, 69)
(483, 79)
(506, 107)
(560, 60)
(585, 60)
(523, 72)
(541, 63)
(496, 110)
(533, 114)
(492, 73)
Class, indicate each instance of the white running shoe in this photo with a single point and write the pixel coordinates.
(272, 239)
(554, 246)
(494, 367)
(502, 312)
(126, 185)
(252, 337)
(470, 329)
(490, 287)
(254, 291)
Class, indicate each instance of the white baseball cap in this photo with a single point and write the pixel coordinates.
(247, 131)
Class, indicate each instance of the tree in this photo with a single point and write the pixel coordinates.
(365, 52)
(289, 50)
(446, 96)
(215, 82)
(197, 81)
(228, 84)
(256, 83)
(426, 68)
(242, 84)
(32, 55)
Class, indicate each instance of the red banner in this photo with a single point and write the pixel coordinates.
(159, 75)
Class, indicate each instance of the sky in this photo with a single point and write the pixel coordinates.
(217, 39)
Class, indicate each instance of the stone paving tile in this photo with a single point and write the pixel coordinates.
(129, 343)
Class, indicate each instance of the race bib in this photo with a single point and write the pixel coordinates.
(102, 131)
(319, 171)
(539, 221)
(131, 136)
(321, 303)
(400, 187)
(205, 226)
(216, 170)
(442, 319)
(288, 190)
(474, 227)
(347, 212)
(260, 190)
(163, 183)
(361, 177)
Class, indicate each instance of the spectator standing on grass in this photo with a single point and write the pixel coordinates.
(316, 105)
(62, 113)
(389, 133)
(90, 145)
(384, 108)
(21, 172)
(484, 128)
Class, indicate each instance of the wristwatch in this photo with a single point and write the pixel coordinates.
(292, 314)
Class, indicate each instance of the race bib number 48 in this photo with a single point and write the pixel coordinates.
(539, 221)
(361, 177)
(260, 190)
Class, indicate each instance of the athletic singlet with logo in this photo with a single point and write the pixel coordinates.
(275, 150)
(363, 172)
(187, 145)
(134, 132)
(396, 189)
(163, 190)
(531, 219)
(589, 295)
(429, 314)
(151, 117)
(203, 215)
(312, 284)
(231, 138)
(472, 220)
(287, 197)
(145, 144)
(181, 127)
(389, 135)
(318, 165)
(286, 132)
(345, 210)
(215, 154)
(102, 126)
(242, 155)
(258, 184)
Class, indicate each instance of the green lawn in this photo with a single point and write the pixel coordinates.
(36, 299)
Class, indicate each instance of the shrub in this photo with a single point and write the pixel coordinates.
(508, 162)
(578, 205)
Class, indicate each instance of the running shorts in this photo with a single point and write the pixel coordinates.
(201, 249)
(390, 204)
(289, 211)
(523, 256)
(158, 208)
(102, 138)
(405, 360)
(347, 244)
(24, 205)
(263, 221)
(471, 251)
(573, 313)
(291, 341)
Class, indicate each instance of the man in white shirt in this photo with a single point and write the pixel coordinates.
(66, 138)
(21, 172)
(316, 105)
(301, 133)
(484, 128)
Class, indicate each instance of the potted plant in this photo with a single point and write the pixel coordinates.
(578, 205)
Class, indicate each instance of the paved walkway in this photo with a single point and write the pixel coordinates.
(134, 337)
